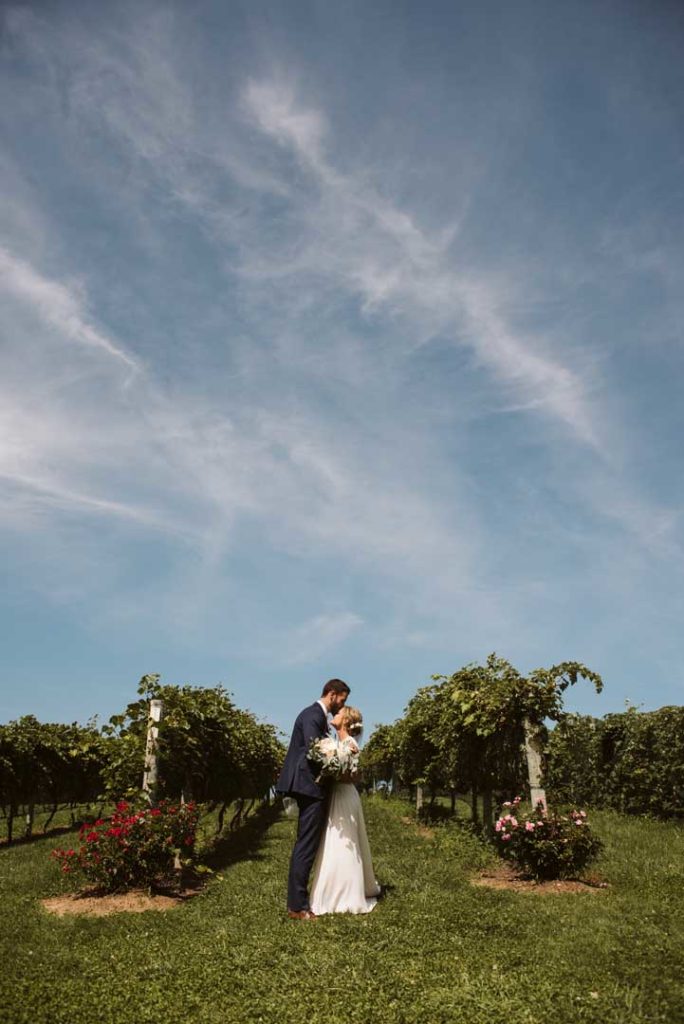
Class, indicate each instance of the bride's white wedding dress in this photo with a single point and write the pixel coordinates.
(343, 876)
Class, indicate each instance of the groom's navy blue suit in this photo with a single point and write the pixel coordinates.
(297, 779)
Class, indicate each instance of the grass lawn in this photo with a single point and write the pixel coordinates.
(436, 949)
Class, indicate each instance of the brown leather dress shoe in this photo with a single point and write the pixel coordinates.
(302, 915)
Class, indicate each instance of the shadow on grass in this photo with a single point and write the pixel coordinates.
(35, 837)
(245, 842)
(386, 889)
(436, 816)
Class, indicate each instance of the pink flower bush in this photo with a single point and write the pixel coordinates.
(546, 845)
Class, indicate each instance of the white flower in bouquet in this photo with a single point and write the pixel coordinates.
(333, 759)
(348, 754)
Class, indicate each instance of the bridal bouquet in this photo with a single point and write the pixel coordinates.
(332, 759)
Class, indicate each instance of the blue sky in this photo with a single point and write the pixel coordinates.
(339, 339)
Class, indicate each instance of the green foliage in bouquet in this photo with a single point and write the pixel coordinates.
(324, 756)
(332, 760)
(546, 846)
(132, 847)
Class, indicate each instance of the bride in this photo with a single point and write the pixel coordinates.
(343, 877)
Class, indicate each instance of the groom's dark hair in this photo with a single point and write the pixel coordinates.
(335, 686)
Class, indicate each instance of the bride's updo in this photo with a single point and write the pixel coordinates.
(352, 720)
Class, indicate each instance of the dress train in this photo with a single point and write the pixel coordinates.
(343, 876)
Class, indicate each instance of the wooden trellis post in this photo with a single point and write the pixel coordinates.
(150, 773)
(419, 799)
(533, 753)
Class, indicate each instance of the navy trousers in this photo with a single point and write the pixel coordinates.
(312, 818)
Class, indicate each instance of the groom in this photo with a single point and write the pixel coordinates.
(297, 779)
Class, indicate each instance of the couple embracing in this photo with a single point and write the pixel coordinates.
(331, 834)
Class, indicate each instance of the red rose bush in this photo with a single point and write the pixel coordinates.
(546, 846)
(132, 847)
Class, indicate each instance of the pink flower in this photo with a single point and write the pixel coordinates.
(498, 826)
(529, 826)
(514, 822)
(506, 836)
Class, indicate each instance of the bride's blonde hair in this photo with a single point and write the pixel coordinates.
(352, 720)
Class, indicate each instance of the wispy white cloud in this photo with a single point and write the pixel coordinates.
(319, 635)
(277, 113)
(375, 248)
(59, 306)
(81, 439)
(342, 233)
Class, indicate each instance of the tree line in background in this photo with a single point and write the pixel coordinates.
(208, 750)
(466, 733)
(633, 761)
(463, 734)
(49, 765)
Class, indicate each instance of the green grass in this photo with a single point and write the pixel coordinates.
(436, 949)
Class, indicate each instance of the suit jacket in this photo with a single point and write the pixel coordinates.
(298, 776)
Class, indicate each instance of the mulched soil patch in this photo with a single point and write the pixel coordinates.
(94, 904)
(503, 876)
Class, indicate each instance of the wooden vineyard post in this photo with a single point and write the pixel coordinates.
(150, 774)
(29, 820)
(419, 799)
(533, 754)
